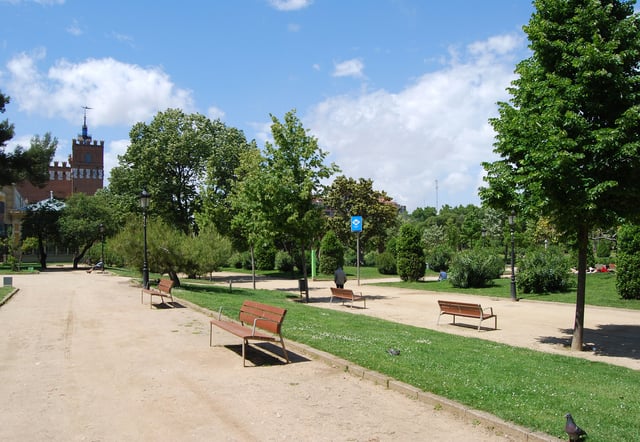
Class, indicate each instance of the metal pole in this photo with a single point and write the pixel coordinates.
(102, 254)
(145, 265)
(358, 256)
(513, 267)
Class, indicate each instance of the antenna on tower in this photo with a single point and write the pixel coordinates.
(85, 130)
(437, 210)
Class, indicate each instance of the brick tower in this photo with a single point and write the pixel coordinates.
(83, 173)
(87, 162)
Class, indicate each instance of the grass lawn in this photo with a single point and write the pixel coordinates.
(532, 389)
(600, 291)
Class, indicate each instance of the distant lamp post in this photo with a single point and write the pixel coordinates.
(144, 203)
(512, 222)
(101, 228)
(484, 237)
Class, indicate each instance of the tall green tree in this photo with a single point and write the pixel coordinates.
(346, 197)
(41, 222)
(568, 139)
(228, 145)
(80, 221)
(251, 201)
(168, 158)
(295, 172)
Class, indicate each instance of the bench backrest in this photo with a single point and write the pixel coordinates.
(337, 291)
(269, 317)
(165, 285)
(460, 307)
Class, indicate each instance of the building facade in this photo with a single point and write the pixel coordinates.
(82, 173)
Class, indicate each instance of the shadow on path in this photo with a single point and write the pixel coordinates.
(615, 340)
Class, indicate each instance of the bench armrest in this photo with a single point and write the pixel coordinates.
(220, 314)
(489, 309)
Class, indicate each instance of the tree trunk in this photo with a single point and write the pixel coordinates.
(253, 266)
(304, 273)
(43, 254)
(578, 328)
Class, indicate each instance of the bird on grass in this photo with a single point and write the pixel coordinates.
(573, 430)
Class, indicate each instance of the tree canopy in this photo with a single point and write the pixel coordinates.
(31, 164)
(568, 138)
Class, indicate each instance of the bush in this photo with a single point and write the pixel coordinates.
(475, 268)
(410, 256)
(544, 271)
(331, 253)
(603, 248)
(265, 257)
(284, 262)
(439, 258)
(386, 263)
(628, 262)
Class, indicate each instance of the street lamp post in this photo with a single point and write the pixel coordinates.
(512, 221)
(144, 203)
(102, 240)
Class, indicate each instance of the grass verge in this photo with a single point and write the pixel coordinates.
(529, 388)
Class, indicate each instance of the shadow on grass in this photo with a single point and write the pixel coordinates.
(614, 340)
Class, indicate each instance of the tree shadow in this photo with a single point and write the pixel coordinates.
(615, 340)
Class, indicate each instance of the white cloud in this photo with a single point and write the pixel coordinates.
(290, 5)
(349, 68)
(112, 150)
(119, 93)
(213, 113)
(75, 28)
(434, 129)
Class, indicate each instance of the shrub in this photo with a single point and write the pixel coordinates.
(603, 248)
(284, 262)
(439, 258)
(628, 262)
(331, 253)
(544, 271)
(474, 268)
(235, 260)
(410, 256)
(265, 256)
(386, 263)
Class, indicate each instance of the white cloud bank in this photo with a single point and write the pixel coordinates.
(125, 93)
(435, 129)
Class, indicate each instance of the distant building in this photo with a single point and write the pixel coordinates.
(83, 173)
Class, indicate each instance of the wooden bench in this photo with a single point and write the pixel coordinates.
(467, 310)
(347, 295)
(163, 290)
(254, 318)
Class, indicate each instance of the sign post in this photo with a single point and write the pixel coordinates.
(356, 226)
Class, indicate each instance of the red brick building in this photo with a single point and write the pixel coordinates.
(84, 172)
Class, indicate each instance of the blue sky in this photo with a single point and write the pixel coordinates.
(398, 91)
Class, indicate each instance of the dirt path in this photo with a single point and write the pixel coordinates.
(82, 359)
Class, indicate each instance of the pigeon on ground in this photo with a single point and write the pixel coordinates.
(573, 430)
(393, 352)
